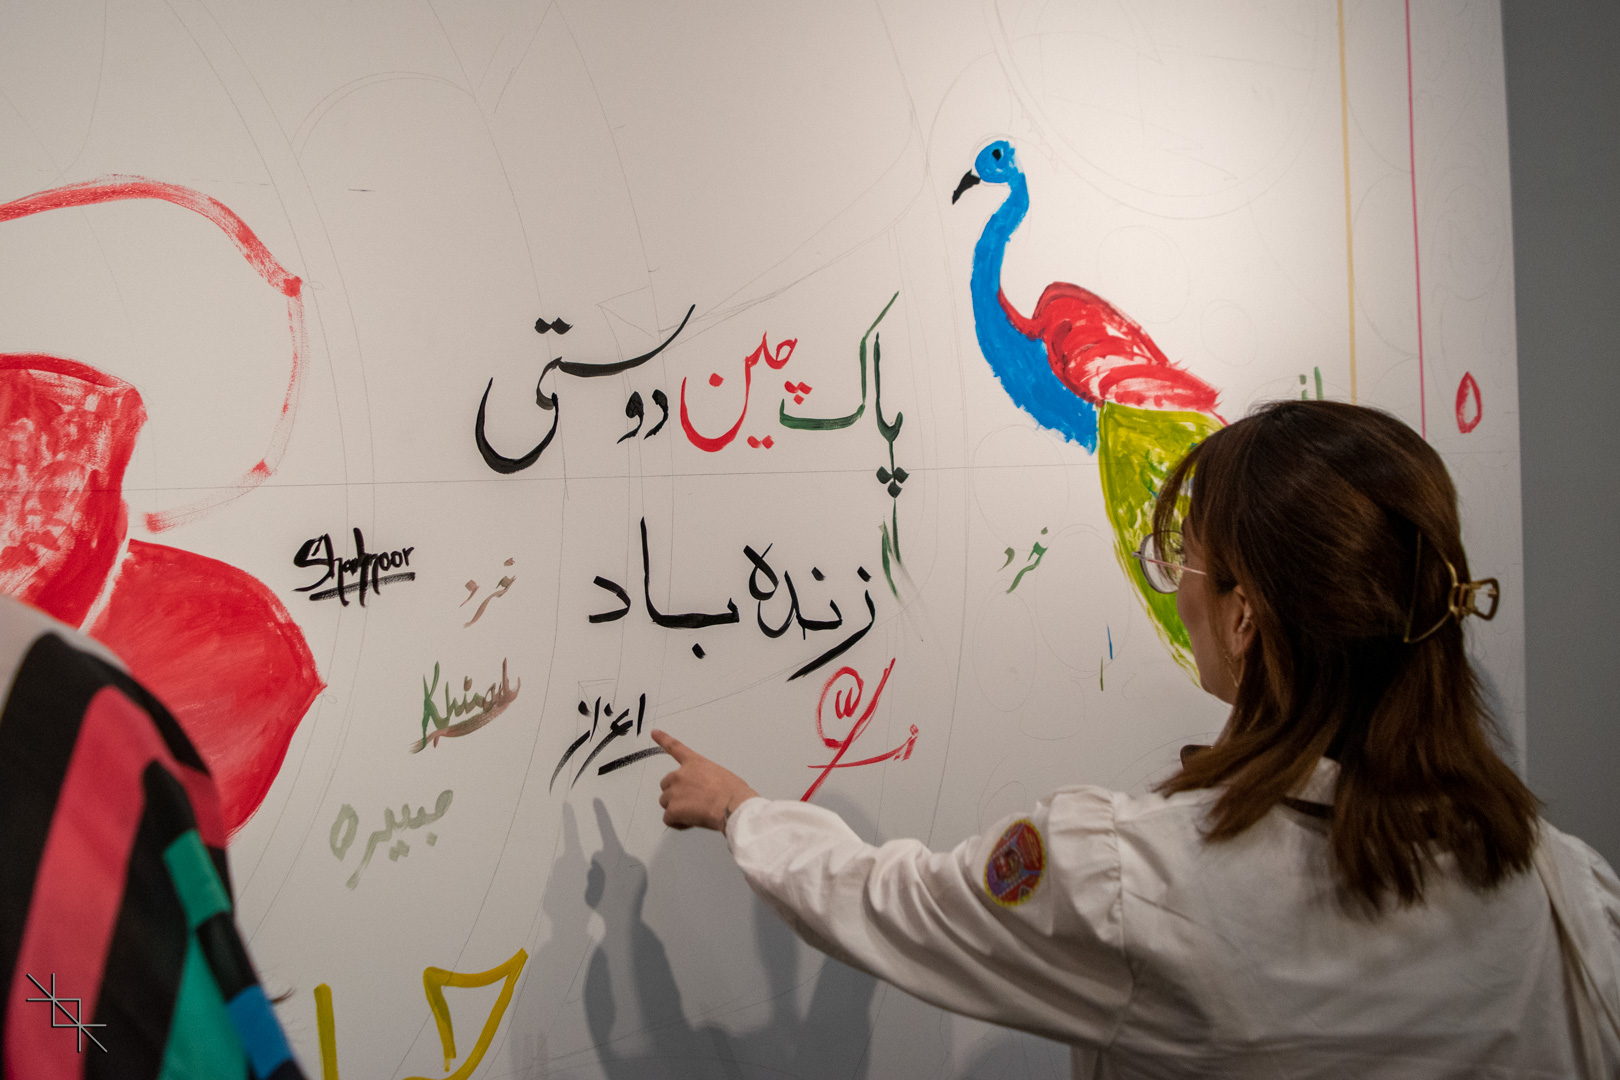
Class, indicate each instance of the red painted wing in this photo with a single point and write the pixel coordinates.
(1103, 355)
(223, 654)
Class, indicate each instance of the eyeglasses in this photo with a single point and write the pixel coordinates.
(1162, 568)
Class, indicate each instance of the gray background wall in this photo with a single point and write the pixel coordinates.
(1563, 95)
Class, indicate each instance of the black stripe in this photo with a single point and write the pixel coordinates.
(168, 804)
(1310, 809)
(39, 725)
(287, 1070)
(222, 867)
(146, 957)
(226, 956)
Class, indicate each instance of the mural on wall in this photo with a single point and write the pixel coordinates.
(657, 371)
(215, 645)
(1082, 368)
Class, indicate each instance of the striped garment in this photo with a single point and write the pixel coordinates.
(115, 895)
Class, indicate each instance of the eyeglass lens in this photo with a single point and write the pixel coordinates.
(1161, 568)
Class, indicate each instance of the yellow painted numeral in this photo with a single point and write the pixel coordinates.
(434, 980)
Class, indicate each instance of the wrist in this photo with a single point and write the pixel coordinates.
(733, 801)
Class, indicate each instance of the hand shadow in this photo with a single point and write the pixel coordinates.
(552, 970)
(655, 1039)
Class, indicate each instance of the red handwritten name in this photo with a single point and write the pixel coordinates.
(845, 702)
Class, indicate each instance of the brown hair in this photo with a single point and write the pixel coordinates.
(1316, 508)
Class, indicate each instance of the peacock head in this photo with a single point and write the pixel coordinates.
(994, 165)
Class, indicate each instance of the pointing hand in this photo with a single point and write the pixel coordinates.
(698, 792)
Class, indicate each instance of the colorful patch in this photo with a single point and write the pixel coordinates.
(1016, 865)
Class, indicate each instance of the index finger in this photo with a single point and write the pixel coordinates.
(673, 746)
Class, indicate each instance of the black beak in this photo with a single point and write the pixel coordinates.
(969, 178)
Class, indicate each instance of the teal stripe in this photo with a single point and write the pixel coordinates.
(192, 872)
(202, 1040)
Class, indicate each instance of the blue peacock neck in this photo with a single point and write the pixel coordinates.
(1019, 362)
(991, 251)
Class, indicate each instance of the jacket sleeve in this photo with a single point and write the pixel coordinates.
(1020, 926)
(1593, 895)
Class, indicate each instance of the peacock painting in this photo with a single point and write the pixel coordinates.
(1080, 367)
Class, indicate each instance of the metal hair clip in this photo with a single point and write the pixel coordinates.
(1462, 599)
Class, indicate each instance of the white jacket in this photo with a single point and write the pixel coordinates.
(1120, 931)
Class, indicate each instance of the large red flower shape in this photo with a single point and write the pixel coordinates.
(212, 642)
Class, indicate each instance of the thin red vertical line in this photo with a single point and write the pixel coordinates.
(1417, 262)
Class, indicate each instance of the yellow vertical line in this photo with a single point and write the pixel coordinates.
(328, 1032)
(1349, 221)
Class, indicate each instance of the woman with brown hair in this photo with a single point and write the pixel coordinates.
(1340, 886)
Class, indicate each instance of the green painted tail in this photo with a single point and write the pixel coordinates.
(1137, 449)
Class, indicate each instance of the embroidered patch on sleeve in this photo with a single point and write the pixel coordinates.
(1016, 865)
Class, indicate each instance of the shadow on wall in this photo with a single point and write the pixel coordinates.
(638, 1025)
(553, 972)
(828, 1039)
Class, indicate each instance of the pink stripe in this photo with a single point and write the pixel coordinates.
(1417, 265)
(80, 885)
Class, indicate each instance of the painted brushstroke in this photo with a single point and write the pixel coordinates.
(1470, 406)
(222, 653)
(1102, 355)
(211, 641)
(119, 188)
(1076, 351)
(1417, 259)
(66, 435)
(1140, 448)
(845, 701)
(479, 709)
(1077, 354)
(434, 980)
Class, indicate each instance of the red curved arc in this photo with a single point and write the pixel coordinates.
(116, 188)
(718, 442)
(119, 188)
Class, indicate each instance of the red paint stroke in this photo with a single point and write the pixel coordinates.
(119, 188)
(1103, 355)
(66, 435)
(783, 353)
(774, 359)
(844, 708)
(207, 638)
(223, 654)
(1468, 395)
(1417, 263)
